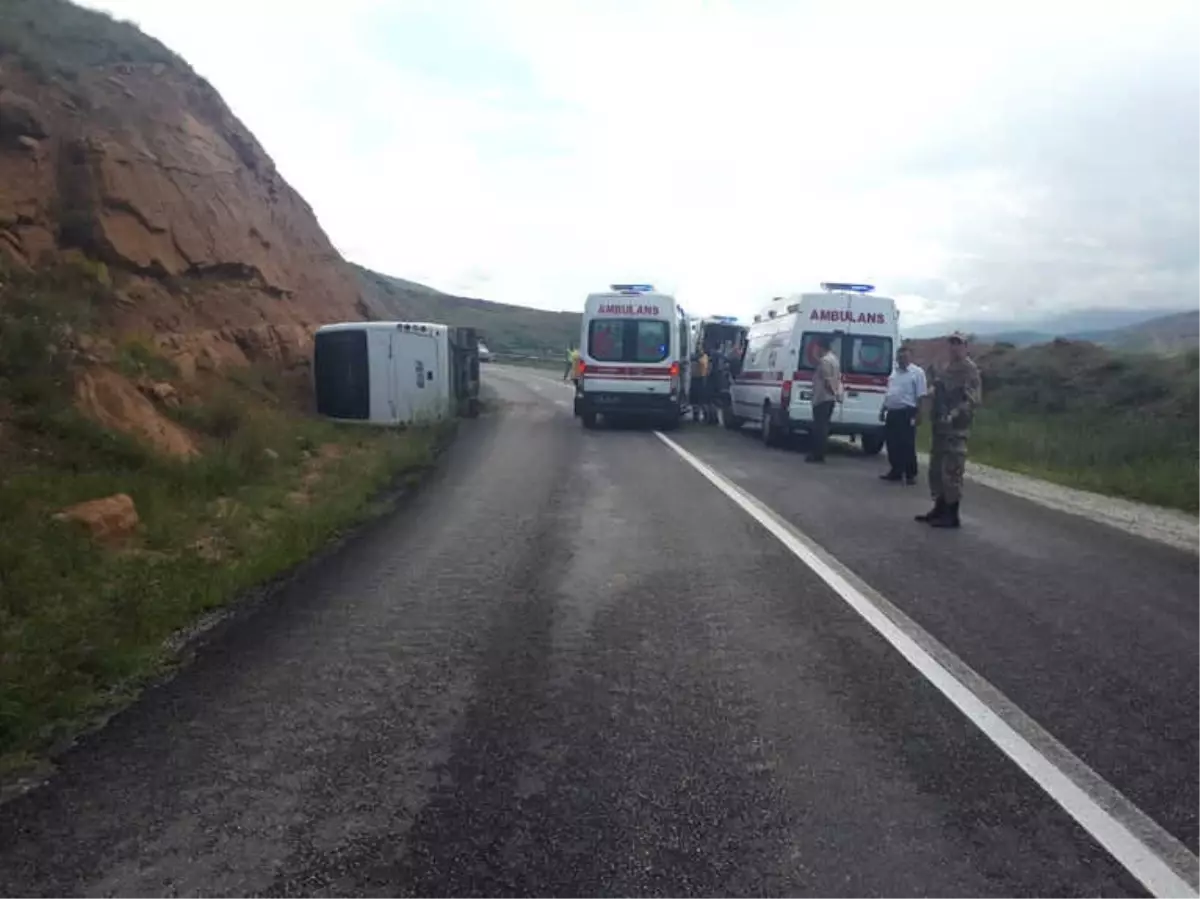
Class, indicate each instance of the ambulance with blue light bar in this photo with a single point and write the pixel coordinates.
(634, 347)
(773, 391)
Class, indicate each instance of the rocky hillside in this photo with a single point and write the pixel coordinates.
(1076, 375)
(159, 283)
(1135, 330)
(114, 151)
(505, 328)
(1168, 334)
(1089, 416)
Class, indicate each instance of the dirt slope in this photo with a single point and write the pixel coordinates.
(159, 283)
(113, 149)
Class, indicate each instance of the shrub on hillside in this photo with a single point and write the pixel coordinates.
(1091, 417)
(55, 37)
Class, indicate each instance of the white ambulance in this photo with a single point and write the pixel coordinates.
(773, 390)
(634, 347)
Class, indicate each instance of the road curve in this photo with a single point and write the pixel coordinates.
(572, 666)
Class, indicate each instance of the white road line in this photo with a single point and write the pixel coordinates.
(1160, 862)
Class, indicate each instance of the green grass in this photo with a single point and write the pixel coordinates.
(1082, 415)
(55, 37)
(83, 625)
(1148, 459)
(138, 359)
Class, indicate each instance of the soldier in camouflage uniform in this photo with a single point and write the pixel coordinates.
(956, 392)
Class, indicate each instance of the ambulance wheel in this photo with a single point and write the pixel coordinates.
(589, 420)
(769, 430)
(872, 444)
(729, 421)
(670, 422)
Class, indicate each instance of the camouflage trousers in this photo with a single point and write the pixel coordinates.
(947, 463)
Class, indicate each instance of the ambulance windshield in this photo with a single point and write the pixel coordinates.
(628, 340)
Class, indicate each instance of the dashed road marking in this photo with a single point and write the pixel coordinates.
(1160, 862)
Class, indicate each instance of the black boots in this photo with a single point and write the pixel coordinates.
(942, 515)
(948, 519)
(939, 508)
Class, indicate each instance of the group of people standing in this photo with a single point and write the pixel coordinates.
(950, 403)
(712, 369)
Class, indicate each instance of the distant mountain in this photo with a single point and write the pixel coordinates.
(1076, 325)
(1166, 334)
(506, 328)
(1017, 338)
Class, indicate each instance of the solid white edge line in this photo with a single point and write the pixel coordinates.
(1160, 862)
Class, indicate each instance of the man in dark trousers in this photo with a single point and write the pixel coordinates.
(826, 394)
(901, 415)
(957, 393)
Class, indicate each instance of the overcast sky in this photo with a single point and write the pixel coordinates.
(984, 160)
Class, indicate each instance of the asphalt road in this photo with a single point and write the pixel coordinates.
(574, 666)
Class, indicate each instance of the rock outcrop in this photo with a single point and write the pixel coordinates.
(115, 402)
(109, 518)
(137, 163)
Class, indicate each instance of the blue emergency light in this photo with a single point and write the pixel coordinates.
(725, 318)
(854, 288)
(633, 288)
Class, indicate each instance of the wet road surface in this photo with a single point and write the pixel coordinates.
(573, 666)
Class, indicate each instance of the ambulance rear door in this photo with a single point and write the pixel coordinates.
(867, 352)
(820, 314)
(627, 343)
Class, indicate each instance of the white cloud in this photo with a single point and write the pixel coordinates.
(1016, 155)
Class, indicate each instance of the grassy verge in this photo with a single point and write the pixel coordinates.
(1151, 460)
(84, 625)
(81, 625)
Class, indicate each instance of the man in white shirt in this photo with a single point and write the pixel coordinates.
(826, 393)
(901, 415)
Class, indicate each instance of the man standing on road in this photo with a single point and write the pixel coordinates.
(901, 415)
(957, 391)
(572, 363)
(826, 393)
